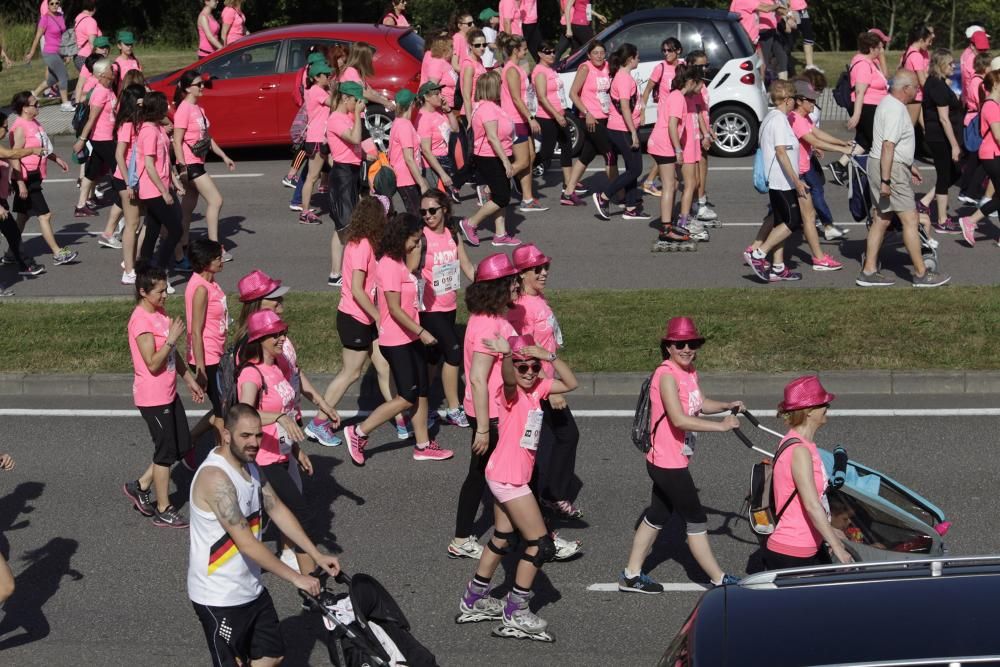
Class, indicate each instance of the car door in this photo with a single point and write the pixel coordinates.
(647, 38)
(241, 102)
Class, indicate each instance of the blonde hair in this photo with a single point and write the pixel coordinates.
(794, 417)
(100, 67)
(488, 87)
(939, 63)
(781, 90)
(440, 45)
(360, 58)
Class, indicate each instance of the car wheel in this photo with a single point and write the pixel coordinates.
(378, 122)
(735, 131)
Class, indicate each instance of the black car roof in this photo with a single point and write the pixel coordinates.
(678, 13)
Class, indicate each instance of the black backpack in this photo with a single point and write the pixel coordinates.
(642, 431)
(81, 114)
(229, 372)
(842, 91)
(760, 501)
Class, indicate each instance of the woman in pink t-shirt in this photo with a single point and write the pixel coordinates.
(552, 102)
(461, 24)
(514, 103)
(439, 70)
(405, 156)
(666, 145)
(208, 29)
(436, 127)
(917, 57)
(394, 14)
(48, 34)
(99, 130)
(472, 68)
(989, 154)
(343, 137)
(401, 340)
(695, 140)
(492, 145)
(802, 512)
(233, 22)
(152, 342)
(318, 101)
(156, 176)
(192, 143)
(589, 93)
(126, 60)
(658, 87)
(869, 86)
(520, 399)
(624, 119)
(487, 300)
(676, 406)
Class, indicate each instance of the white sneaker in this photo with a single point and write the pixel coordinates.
(289, 559)
(470, 548)
(832, 233)
(564, 548)
(705, 213)
(67, 106)
(170, 288)
(128, 278)
(982, 203)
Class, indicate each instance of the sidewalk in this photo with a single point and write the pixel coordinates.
(54, 121)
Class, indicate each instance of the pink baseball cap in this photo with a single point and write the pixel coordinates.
(494, 266)
(258, 285)
(264, 323)
(881, 35)
(528, 256)
(980, 40)
(804, 392)
(682, 328)
(518, 343)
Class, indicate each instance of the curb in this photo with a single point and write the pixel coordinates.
(875, 383)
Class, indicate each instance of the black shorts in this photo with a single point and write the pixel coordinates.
(674, 491)
(237, 635)
(101, 161)
(314, 148)
(493, 174)
(806, 27)
(168, 427)
(355, 335)
(775, 561)
(664, 159)
(864, 132)
(278, 476)
(194, 171)
(212, 373)
(408, 365)
(785, 207)
(35, 203)
(449, 345)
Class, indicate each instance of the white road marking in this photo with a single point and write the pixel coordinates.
(593, 414)
(677, 588)
(49, 181)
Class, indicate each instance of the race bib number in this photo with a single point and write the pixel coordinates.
(285, 441)
(690, 439)
(532, 430)
(561, 91)
(171, 363)
(447, 278)
(556, 330)
(590, 12)
(604, 95)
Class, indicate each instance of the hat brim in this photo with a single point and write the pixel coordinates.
(537, 261)
(278, 292)
(788, 407)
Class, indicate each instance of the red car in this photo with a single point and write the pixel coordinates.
(250, 100)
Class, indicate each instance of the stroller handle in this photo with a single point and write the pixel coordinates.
(839, 475)
(750, 418)
(321, 574)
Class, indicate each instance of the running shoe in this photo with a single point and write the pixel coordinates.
(32, 269)
(968, 231)
(50, 93)
(290, 182)
(581, 191)
(84, 212)
(834, 233)
(292, 206)
(6, 291)
(815, 69)
(335, 281)
(760, 267)
(705, 214)
(635, 214)
(564, 509)
(930, 242)
(983, 202)
(564, 548)
(68, 107)
(309, 218)
(226, 257)
(432, 452)
(355, 445)
(322, 433)
(404, 429)
(785, 275)
(91, 203)
(456, 417)
(826, 263)
(601, 205)
(922, 209)
(128, 278)
(7, 258)
(651, 189)
(170, 288)
(455, 194)
(727, 580)
(169, 518)
(873, 280)
(142, 500)
(641, 583)
(504, 240)
(469, 232)
(966, 199)
(538, 170)
(931, 279)
(183, 265)
(64, 256)
(947, 226)
(570, 199)
(467, 548)
(838, 172)
(532, 206)
(109, 242)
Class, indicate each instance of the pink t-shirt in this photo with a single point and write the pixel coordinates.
(531, 316)
(126, 65)
(153, 141)
(358, 256)
(553, 91)
(671, 106)
(434, 125)
(89, 81)
(530, 11)
(442, 272)
(400, 20)
(966, 70)
(213, 336)
(513, 460)
(34, 136)
(595, 92)
(795, 534)
(278, 395)
(768, 21)
(53, 26)
(204, 46)
(85, 27)
(624, 87)
(797, 5)
(441, 71)
(317, 113)
(668, 450)
(801, 126)
(868, 72)
(460, 45)
(393, 276)
(972, 93)
(104, 127)
(192, 119)
(663, 76)
(350, 74)
(490, 111)
(478, 69)
(580, 14)
(513, 11)
(125, 134)
(507, 95)
(151, 389)
(691, 139)
(919, 60)
(478, 328)
(990, 114)
(747, 9)
(236, 20)
(403, 135)
(342, 152)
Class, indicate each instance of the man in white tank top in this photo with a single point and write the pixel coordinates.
(226, 555)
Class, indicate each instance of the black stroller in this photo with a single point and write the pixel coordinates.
(366, 626)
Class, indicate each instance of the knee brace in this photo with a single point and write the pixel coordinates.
(507, 538)
(546, 551)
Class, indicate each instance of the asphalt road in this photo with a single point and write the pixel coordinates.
(97, 584)
(260, 231)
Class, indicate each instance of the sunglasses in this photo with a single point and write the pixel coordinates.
(430, 211)
(524, 368)
(199, 84)
(540, 268)
(548, 52)
(669, 50)
(480, 45)
(689, 344)
(465, 23)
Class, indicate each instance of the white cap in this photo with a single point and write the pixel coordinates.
(972, 30)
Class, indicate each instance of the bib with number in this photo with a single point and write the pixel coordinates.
(532, 430)
(446, 278)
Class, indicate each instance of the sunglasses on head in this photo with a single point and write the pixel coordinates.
(689, 344)
(430, 211)
(540, 268)
(524, 368)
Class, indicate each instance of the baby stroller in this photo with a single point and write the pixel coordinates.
(881, 519)
(859, 199)
(366, 626)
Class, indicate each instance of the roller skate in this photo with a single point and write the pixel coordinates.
(478, 605)
(706, 215)
(673, 238)
(697, 231)
(519, 622)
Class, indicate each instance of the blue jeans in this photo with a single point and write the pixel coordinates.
(297, 196)
(814, 179)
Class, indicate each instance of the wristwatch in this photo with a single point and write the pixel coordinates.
(886, 181)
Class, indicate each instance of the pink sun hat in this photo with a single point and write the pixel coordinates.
(804, 392)
(264, 323)
(258, 285)
(518, 343)
(528, 256)
(682, 328)
(494, 266)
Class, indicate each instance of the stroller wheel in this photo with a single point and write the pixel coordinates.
(930, 261)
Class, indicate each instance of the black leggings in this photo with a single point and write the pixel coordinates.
(475, 482)
(973, 176)
(492, 173)
(160, 214)
(280, 479)
(533, 38)
(562, 459)
(11, 232)
(629, 179)
(595, 143)
(946, 170)
(581, 35)
(552, 134)
(992, 167)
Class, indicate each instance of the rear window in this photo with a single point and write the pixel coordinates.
(413, 44)
(735, 38)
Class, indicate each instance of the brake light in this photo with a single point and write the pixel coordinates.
(746, 66)
(747, 79)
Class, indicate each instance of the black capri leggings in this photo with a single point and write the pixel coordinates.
(581, 35)
(449, 345)
(992, 168)
(280, 479)
(492, 174)
(345, 182)
(553, 134)
(160, 214)
(627, 180)
(168, 427)
(595, 143)
(674, 491)
(475, 482)
(562, 458)
(101, 160)
(863, 133)
(408, 365)
(946, 170)
(11, 232)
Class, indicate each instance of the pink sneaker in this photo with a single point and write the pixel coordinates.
(968, 230)
(469, 232)
(355, 445)
(746, 253)
(432, 452)
(826, 263)
(505, 240)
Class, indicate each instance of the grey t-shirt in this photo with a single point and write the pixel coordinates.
(892, 123)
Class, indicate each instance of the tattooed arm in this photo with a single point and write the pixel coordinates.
(292, 529)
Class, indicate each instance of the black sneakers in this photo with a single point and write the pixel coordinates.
(142, 500)
(169, 518)
(641, 583)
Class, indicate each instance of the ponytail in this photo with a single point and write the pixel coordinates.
(620, 56)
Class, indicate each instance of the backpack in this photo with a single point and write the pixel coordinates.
(67, 43)
(642, 431)
(760, 500)
(973, 136)
(132, 177)
(297, 131)
(381, 177)
(760, 183)
(842, 91)
(229, 371)
(81, 114)
(859, 197)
